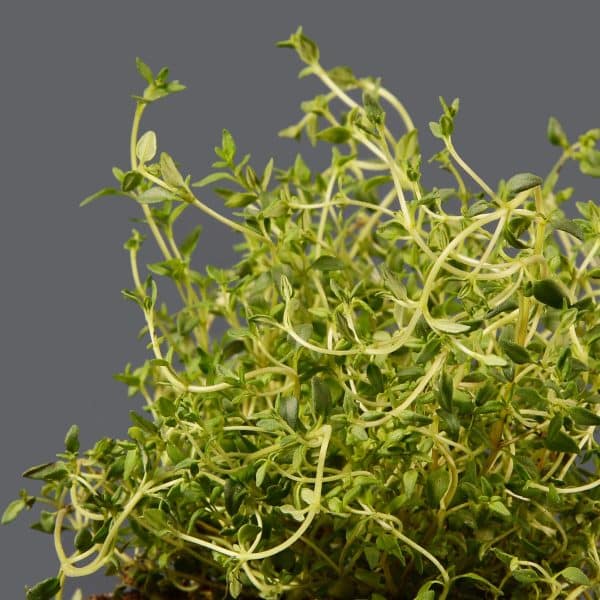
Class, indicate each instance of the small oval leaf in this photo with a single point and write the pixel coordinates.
(521, 182)
(548, 292)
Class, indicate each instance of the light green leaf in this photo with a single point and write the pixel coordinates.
(575, 575)
(169, 171)
(12, 511)
(327, 263)
(145, 149)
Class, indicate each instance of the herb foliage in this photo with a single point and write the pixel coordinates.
(403, 403)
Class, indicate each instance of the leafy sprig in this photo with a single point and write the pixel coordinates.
(404, 401)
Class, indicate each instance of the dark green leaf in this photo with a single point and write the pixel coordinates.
(478, 208)
(548, 292)
(334, 135)
(131, 180)
(321, 397)
(234, 495)
(327, 263)
(584, 417)
(72, 439)
(570, 227)
(45, 590)
(84, 540)
(288, 409)
(521, 182)
(47, 472)
(429, 351)
(506, 306)
(446, 391)
(446, 125)
(515, 352)
(188, 245)
(375, 378)
(556, 134)
(557, 440)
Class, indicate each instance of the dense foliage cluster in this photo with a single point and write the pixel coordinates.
(403, 402)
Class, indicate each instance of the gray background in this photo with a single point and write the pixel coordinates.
(67, 70)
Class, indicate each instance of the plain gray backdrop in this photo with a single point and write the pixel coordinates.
(67, 72)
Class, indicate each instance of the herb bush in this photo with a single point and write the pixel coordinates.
(403, 403)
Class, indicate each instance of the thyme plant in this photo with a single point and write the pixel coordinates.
(403, 402)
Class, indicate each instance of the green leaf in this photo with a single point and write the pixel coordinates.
(84, 540)
(375, 378)
(307, 50)
(327, 263)
(45, 590)
(107, 191)
(584, 417)
(446, 386)
(515, 352)
(521, 182)
(144, 70)
(72, 439)
(436, 130)
(47, 472)
(525, 575)
(189, 243)
(320, 397)
(570, 227)
(228, 147)
(240, 199)
(506, 306)
(436, 485)
(288, 409)
(373, 110)
(131, 180)
(556, 134)
(334, 135)
(429, 351)
(449, 326)
(548, 292)
(169, 171)
(479, 579)
(145, 149)
(154, 195)
(576, 576)
(157, 520)
(212, 178)
(132, 461)
(498, 507)
(12, 511)
(557, 440)
(342, 76)
(409, 479)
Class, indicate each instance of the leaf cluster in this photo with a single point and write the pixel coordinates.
(404, 401)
